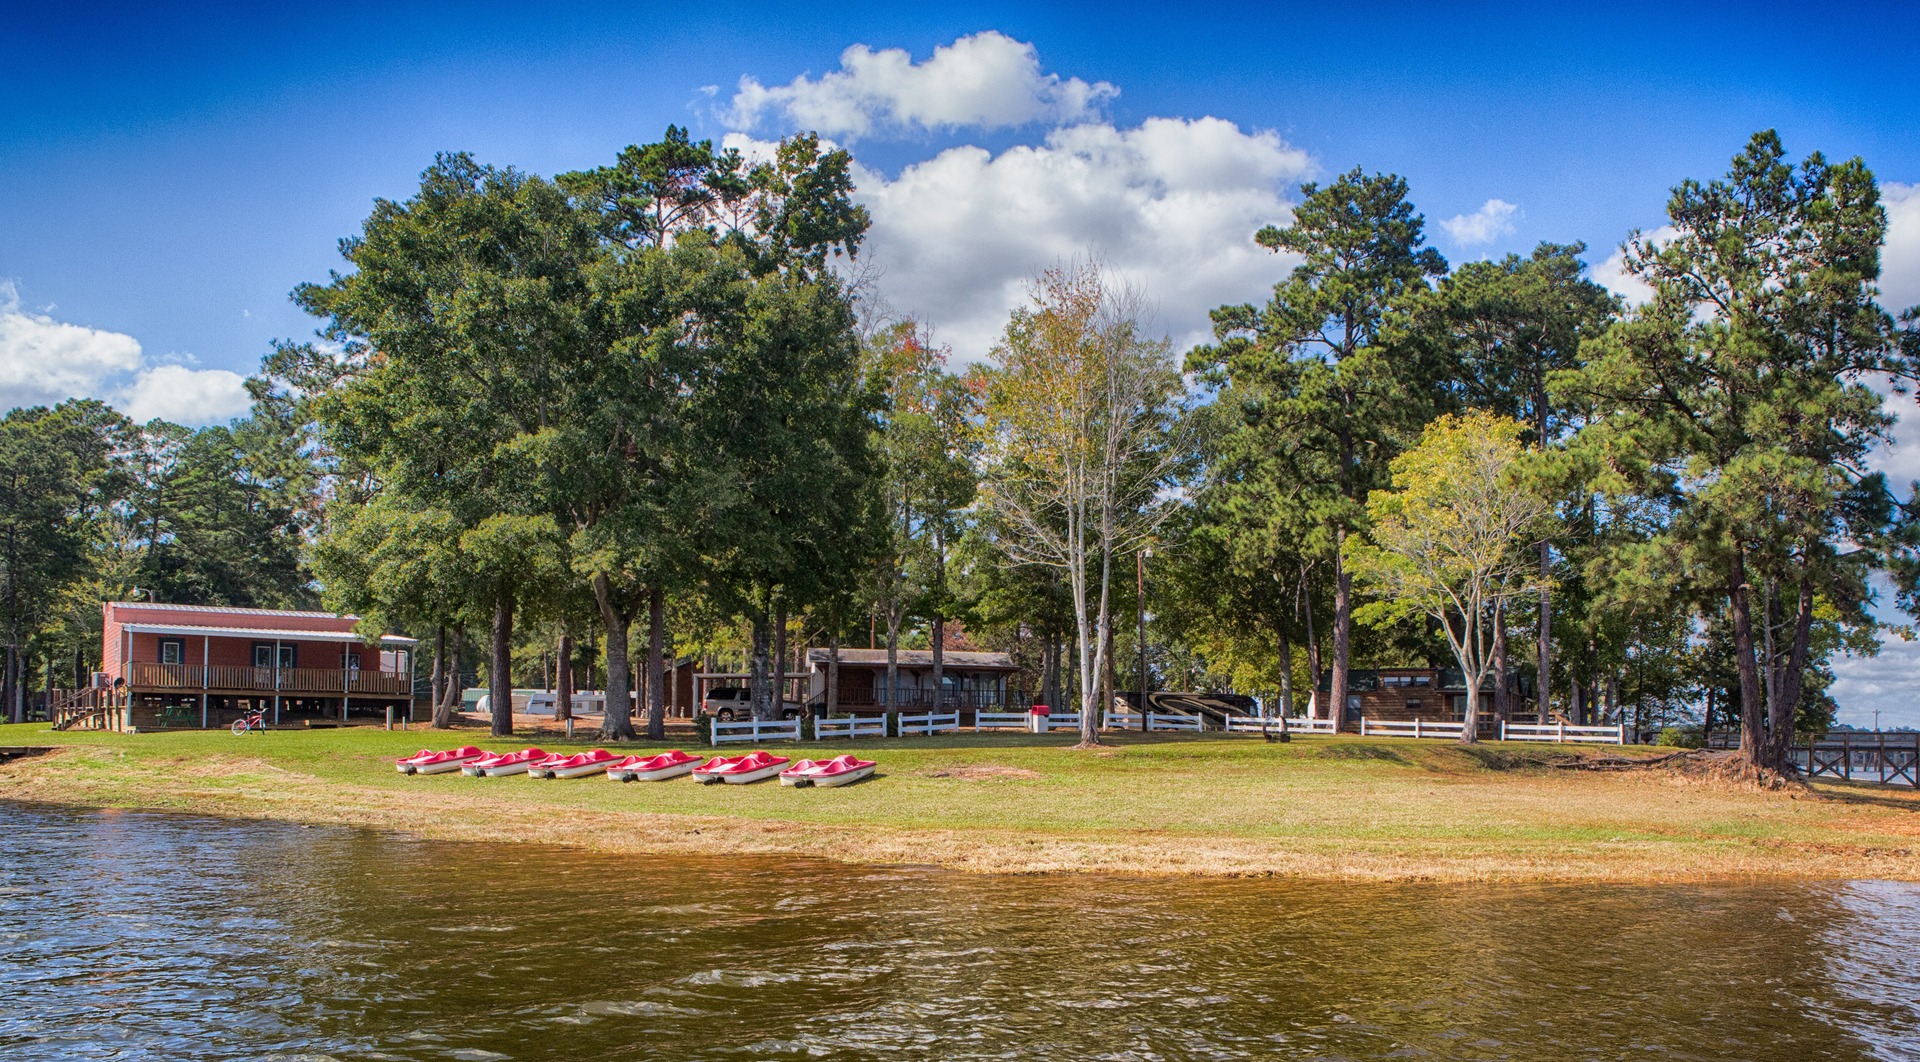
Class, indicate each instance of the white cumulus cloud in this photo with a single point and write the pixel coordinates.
(1900, 255)
(1169, 207)
(184, 396)
(43, 361)
(1493, 220)
(987, 81)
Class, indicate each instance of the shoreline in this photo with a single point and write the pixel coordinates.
(1378, 810)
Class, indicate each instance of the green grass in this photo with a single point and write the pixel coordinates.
(1318, 806)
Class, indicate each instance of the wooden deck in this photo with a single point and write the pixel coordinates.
(147, 677)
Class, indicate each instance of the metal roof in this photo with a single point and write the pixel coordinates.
(918, 658)
(231, 610)
(265, 634)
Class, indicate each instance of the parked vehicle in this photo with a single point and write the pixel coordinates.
(727, 703)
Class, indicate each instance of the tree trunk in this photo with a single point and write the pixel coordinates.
(1342, 634)
(1313, 655)
(757, 666)
(1286, 671)
(500, 667)
(1782, 715)
(437, 683)
(780, 663)
(889, 698)
(656, 664)
(450, 694)
(833, 673)
(1753, 738)
(939, 661)
(563, 677)
(617, 723)
(1502, 705)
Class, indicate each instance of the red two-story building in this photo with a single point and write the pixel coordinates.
(194, 666)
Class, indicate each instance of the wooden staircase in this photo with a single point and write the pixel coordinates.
(81, 709)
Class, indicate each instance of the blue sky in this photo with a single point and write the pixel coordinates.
(168, 175)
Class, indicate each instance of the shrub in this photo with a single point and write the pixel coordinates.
(703, 726)
(1678, 738)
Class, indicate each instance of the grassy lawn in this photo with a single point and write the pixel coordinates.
(1322, 807)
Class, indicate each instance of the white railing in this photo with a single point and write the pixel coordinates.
(1161, 721)
(998, 720)
(1062, 721)
(1562, 733)
(1414, 728)
(930, 723)
(1112, 720)
(851, 726)
(756, 730)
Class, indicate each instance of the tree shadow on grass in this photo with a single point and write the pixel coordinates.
(1379, 753)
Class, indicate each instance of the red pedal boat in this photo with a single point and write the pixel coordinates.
(653, 768)
(427, 761)
(739, 770)
(592, 761)
(504, 763)
(826, 774)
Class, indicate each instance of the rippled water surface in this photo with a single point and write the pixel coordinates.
(133, 936)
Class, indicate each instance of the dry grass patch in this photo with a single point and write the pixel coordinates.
(1375, 809)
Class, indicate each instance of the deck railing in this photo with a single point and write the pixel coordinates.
(146, 675)
(948, 701)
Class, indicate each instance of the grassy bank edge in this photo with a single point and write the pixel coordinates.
(920, 820)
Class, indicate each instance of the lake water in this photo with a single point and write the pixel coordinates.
(139, 936)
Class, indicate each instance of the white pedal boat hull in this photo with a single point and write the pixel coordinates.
(447, 767)
(569, 772)
(748, 777)
(660, 775)
(843, 779)
(828, 781)
(503, 770)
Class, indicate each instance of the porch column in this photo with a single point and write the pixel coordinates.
(413, 678)
(206, 655)
(346, 681)
(276, 682)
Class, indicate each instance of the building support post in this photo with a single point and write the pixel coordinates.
(276, 682)
(206, 676)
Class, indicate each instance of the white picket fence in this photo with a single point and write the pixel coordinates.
(851, 726)
(930, 723)
(1414, 728)
(1063, 721)
(1173, 721)
(1562, 733)
(756, 730)
(999, 721)
(1112, 720)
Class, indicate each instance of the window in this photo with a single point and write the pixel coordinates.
(353, 661)
(263, 655)
(172, 651)
(1413, 704)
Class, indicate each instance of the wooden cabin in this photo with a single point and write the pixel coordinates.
(203, 666)
(1429, 694)
(969, 681)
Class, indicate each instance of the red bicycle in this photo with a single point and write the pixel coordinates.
(254, 720)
